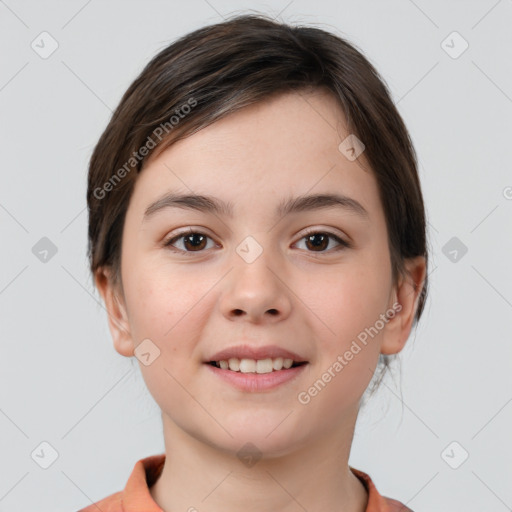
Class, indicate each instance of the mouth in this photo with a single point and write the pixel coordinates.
(253, 369)
(260, 366)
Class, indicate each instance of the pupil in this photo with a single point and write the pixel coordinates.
(311, 237)
(191, 237)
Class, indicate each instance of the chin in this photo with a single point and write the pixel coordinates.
(268, 437)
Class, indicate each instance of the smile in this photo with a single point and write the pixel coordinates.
(252, 381)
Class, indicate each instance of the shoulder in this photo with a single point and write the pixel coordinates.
(112, 503)
(396, 506)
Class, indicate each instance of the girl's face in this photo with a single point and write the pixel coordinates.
(250, 275)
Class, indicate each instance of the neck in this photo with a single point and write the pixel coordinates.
(313, 477)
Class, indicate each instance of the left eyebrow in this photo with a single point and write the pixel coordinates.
(209, 204)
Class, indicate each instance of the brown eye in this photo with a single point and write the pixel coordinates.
(318, 241)
(193, 241)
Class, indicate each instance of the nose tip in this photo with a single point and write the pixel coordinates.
(254, 291)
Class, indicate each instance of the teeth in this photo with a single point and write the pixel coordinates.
(255, 366)
(264, 366)
(234, 364)
(247, 365)
(277, 363)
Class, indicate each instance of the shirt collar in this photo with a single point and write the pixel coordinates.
(136, 496)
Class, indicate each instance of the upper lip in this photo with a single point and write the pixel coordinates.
(250, 352)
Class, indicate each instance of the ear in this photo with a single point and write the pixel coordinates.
(407, 293)
(116, 310)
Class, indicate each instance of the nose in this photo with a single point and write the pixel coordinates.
(256, 291)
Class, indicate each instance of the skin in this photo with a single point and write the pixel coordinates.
(191, 306)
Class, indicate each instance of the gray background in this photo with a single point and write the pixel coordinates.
(62, 381)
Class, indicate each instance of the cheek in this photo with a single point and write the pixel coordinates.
(352, 301)
(164, 305)
(348, 330)
(349, 335)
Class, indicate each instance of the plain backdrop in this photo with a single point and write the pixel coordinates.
(63, 384)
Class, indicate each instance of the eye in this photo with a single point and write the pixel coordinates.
(319, 240)
(193, 240)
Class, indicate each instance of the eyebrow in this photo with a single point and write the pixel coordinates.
(209, 204)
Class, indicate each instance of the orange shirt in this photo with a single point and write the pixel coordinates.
(136, 497)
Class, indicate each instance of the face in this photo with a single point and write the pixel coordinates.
(305, 283)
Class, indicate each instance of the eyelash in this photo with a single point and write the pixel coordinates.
(342, 243)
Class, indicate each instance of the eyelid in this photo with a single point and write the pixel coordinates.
(329, 231)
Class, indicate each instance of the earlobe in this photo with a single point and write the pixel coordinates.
(116, 311)
(408, 291)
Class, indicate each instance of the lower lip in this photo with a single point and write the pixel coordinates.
(257, 381)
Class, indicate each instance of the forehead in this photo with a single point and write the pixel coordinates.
(283, 147)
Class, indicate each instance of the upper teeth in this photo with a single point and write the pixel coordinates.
(255, 366)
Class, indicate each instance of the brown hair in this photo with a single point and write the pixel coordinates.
(219, 69)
